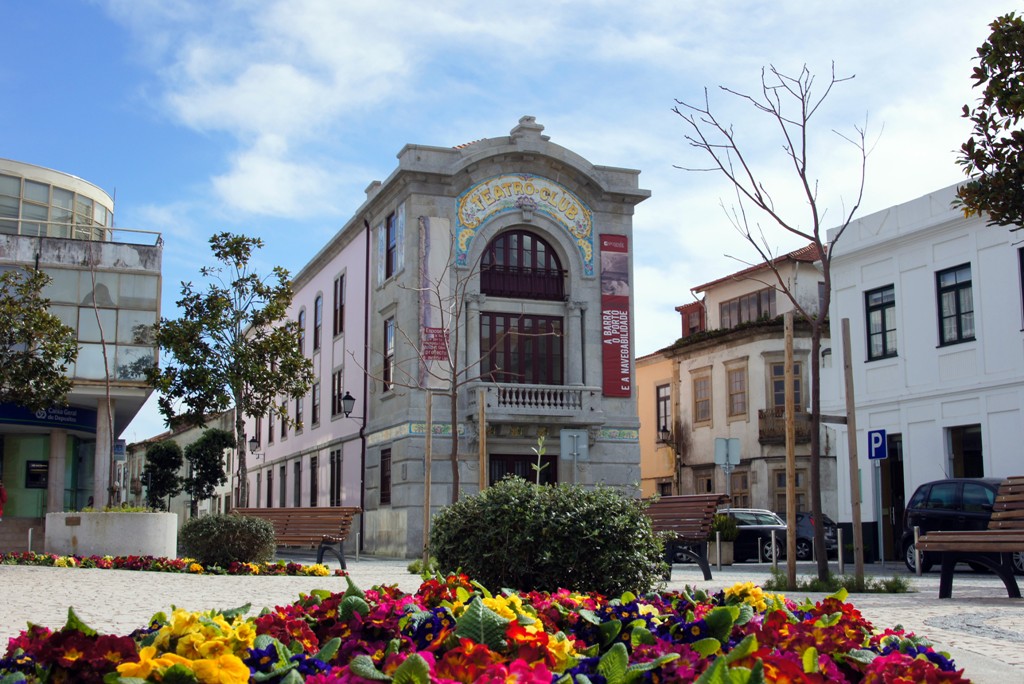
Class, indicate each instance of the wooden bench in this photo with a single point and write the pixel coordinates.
(992, 548)
(686, 522)
(324, 527)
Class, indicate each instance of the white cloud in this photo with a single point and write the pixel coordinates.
(311, 99)
(264, 180)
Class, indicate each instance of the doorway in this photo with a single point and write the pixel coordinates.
(893, 496)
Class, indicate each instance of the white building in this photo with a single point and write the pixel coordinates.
(935, 307)
(106, 285)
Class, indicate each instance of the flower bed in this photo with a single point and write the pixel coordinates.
(452, 630)
(159, 564)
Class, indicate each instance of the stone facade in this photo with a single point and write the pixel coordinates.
(496, 286)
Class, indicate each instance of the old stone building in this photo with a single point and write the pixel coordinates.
(485, 294)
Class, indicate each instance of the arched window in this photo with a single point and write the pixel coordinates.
(520, 264)
(302, 331)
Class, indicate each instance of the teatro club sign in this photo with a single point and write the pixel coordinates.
(528, 194)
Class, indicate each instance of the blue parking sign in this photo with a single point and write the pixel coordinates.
(878, 446)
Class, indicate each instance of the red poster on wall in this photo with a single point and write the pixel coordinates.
(617, 355)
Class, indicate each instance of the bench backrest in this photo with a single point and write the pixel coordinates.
(687, 517)
(1008, 511)
(306, 522)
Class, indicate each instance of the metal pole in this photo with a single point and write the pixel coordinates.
(718, 550)
(842, 564)
(917, 551)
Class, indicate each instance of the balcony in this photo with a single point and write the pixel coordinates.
(521, 403)
(771, 426)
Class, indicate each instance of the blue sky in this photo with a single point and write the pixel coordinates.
(270, 117)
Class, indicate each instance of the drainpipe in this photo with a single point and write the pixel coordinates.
(366, 388)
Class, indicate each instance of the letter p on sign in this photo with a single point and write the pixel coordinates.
(878, 447)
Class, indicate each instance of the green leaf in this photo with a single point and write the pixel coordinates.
(352, 589)
(362, 666)
(718, 673)
(860, 655)
(706, 647)
(840, 595)
(742, 649)
(76, 624)
(642, 636)
(482, 625)
(109, 678)
(613, 664)
(720, 621)
(293, 677)
(352, 604)
(329, 650)
(830, 620)
(414, 670)
(589, 616)
(179, 674)
(610, 631)
(746, 614)
(810, 660)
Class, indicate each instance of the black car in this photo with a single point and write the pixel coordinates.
(805, 534)
(755, 539)
(954, 504)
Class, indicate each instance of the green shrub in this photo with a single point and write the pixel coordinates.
(833, 583)
(725, 524)
(224, 539)
(531, 537)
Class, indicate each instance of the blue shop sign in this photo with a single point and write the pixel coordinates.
(63, 417)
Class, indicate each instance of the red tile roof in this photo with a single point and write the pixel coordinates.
(808, 254)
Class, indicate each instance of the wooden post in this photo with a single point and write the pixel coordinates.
(427, 458)
(851, 441)
(481, 396)
(790, 456)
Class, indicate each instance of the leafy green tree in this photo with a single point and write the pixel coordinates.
(206, 460)
(163, 461)
(993, 157)
(36, 348)
(232, 346)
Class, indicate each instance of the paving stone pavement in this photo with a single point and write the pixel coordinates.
(979, 626)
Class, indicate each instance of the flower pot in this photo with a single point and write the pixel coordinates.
(112, 534)
(726, 553)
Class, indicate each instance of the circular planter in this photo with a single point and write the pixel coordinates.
(112, 534)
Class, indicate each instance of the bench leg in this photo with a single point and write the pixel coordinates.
(1002, 566)
(337, 549)
(946, 578)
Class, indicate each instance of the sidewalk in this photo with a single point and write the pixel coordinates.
(982, 628)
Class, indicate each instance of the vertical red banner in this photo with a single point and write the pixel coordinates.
(617, 354)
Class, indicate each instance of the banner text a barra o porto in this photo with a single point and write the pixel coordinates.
(616, 347)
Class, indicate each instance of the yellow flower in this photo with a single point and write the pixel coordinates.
(245, 635)
(195, 568)
(225, 669)
(505, 606)
(749, 593)
(188, 645)
(561, 649)
(317, 570)
(142, 668)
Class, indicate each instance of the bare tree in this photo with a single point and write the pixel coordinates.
(789, 102)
